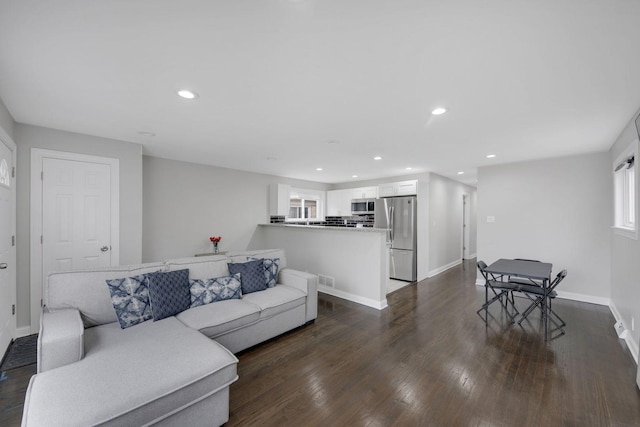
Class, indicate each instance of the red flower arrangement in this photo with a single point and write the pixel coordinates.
(215, 240)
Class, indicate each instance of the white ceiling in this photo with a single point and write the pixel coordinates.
(280, 79)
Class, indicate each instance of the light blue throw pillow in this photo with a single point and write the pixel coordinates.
(216, 289)
(271, 267)
(130, 299)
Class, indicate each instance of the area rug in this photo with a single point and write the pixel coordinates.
(22, 352)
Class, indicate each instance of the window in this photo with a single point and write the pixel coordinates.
(303, 209)
(625, 195)
(305, 205)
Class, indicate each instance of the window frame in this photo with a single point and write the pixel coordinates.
(317, 196)
(625, 194)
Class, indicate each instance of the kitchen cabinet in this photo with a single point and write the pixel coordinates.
(279, 196)
(402, 188)
(339, 202)
(364, 193)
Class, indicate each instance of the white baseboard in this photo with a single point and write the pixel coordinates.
(584, 298)
(379, 305)
(24, 331)
(443, 268)
(633, 346)
(472, 256)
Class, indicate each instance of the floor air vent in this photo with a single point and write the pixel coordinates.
(326, 281)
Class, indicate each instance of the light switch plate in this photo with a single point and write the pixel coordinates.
(491, 219)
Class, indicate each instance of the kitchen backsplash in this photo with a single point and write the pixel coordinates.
(334, 221)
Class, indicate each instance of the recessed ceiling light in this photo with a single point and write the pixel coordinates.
(461, 173)
(354, 176)
(439, 111)
(377, 158)
(408, 168)
(187, 94)
(144, 133)
(318, 169)
(490, 156)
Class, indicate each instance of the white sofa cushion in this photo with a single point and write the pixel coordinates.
(131, 376)
(87, 291)
(276, 300)
(220, 317)
(206, 267)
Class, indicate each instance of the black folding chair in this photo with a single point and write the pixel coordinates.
(538, 294)
(502, 291)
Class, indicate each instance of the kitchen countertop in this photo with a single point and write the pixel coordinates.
(328, 227)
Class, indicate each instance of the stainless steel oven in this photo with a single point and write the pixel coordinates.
(363, 206)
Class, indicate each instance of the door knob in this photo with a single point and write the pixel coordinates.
(104, 248)
(3, 265)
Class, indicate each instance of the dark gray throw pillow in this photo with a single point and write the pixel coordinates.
(169, 293)
(251, 275)
(271, 267)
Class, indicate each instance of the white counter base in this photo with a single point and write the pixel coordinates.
(354, 259)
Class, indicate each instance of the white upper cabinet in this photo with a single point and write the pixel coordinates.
(364, 193)
(386, 190)
(339, 202)
(402, 188)
(279, 196)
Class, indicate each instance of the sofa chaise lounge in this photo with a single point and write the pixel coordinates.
(174, 371)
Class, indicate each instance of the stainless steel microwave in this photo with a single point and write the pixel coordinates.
(363, 206)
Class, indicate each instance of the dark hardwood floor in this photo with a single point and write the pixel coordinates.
(427, 360)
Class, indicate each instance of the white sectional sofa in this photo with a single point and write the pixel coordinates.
(174, 371)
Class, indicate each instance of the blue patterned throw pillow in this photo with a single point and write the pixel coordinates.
(130, 299)
(216, 289)
(169, 293)
(271, 267)
(251, 275)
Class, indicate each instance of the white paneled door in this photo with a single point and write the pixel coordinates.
(76, 226)
(7, 252)
(74, 214)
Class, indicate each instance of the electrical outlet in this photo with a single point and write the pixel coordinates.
(620, 330)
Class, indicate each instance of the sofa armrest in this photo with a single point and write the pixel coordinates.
(307, 283)
(61, 339)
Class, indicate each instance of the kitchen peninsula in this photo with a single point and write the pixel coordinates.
(352, 263)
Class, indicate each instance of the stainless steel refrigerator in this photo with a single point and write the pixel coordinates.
(398, 214)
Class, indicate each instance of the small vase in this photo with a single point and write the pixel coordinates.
(215, 247)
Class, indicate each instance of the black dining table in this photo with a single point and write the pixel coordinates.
(534, 270)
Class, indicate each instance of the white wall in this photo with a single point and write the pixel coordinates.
(130, 156)
(357, 260)
(445, 222)
(185, 203)
(6, 121)
(625, 260)
(556, 210)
